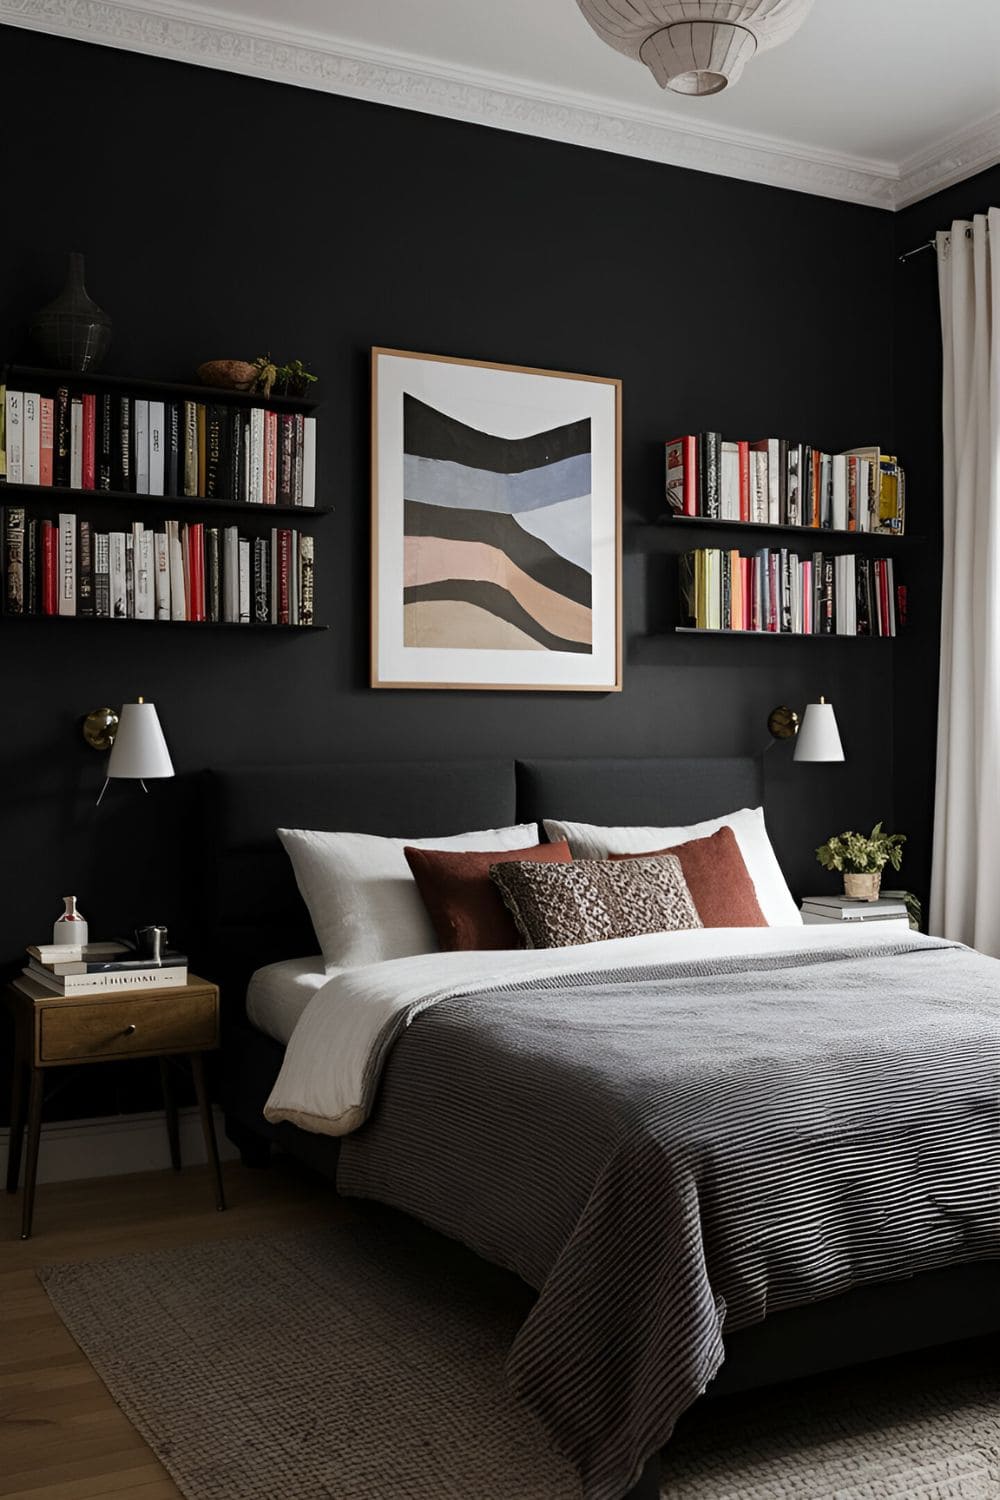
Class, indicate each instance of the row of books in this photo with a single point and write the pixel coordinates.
(196, 449)
(99, 968)
(776, 591)
(183, 571)
(774, 482)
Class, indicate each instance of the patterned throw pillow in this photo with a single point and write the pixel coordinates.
(557, 905)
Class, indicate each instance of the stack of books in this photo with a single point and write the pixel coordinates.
(846, 909)
(101, 968)
(779, 592)
(183, 571)
(201, 449)
(774, 482)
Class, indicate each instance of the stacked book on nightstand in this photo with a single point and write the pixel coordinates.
(101, 968)
(846, 909)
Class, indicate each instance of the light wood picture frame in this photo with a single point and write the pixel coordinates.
(496, 526)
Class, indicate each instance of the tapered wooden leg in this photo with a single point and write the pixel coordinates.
(34, 1136)
(18, 1102)
(207, 1125)
(170, 1106)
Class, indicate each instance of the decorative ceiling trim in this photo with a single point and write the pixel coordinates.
(949, 161)
(209, 38)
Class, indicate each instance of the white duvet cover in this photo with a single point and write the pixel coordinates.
(350, 1019)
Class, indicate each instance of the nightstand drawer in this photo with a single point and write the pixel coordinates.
(174, 1022)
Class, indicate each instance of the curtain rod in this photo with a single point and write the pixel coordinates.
(932, 244)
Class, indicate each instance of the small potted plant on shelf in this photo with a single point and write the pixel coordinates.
(861, 858)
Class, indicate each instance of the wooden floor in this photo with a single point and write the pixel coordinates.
(61, 1435)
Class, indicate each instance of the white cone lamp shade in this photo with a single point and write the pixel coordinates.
(818, 737)
(694, 46)
(139, 752)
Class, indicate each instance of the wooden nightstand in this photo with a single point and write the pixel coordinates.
(56, 1031)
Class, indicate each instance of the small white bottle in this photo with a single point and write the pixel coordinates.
(72, 926)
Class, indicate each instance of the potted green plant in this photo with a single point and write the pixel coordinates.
(861, 858)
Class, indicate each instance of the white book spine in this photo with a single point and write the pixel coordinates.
(144, 583)
(257, 455)
(157, 438)
(244, 582)
(140, 418)
(175, 553)
(118, 979)
(839, 520)
(31, 440)
(773, 482)
(119, 604)
(275, 570)
(309, 462)
(14, 437)
(67, 564)
(161, 575)
(76, 442)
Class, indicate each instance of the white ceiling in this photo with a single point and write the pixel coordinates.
(878, 101)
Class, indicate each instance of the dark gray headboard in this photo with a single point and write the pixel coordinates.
(659, 791)
(253, 913)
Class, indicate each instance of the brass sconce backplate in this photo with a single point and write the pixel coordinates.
(783, 723)
(100, 727)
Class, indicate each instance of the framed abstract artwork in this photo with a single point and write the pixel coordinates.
(496, 526)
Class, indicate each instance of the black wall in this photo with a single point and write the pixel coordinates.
(223, 216)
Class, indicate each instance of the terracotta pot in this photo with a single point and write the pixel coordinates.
(863, 887)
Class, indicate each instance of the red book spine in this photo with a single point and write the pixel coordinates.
(50, 594)
(814, 479)
(743, 449)
(89, 442)
(883, 596)
(196, 570)
(284, 565)
(682, 475)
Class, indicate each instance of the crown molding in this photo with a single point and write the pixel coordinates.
(215, 39)
(958, 156)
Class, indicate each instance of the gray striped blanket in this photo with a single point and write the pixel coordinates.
(676, 1153)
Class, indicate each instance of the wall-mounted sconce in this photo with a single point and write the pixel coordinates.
(816, 735)
(135, 738)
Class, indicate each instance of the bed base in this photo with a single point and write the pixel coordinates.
(870, 1323)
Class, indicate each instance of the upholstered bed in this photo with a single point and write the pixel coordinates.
(718, 1198)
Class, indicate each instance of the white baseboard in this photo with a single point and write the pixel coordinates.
(116, 1144)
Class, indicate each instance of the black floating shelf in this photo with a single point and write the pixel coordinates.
(29, 375)
(826, 533)
(773, 635)
(257, 629)
(49, 492)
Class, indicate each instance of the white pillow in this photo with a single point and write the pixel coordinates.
(363, 901)
(590, 841)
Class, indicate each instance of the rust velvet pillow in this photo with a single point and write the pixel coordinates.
(717, 878)
(465, 907)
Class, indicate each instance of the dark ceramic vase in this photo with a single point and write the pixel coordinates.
(72, 332)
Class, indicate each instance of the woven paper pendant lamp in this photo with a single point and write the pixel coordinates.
(694, 46)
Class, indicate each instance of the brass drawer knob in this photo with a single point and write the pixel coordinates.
(129, 1029)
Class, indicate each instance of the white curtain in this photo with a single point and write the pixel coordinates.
(965, 882)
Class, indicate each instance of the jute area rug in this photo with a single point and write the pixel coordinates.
(365, 1362)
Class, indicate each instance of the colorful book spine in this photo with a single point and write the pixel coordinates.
(46, 432)
(50, 568)
(89, 440)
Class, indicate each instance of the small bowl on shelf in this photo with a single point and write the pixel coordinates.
(228, 374)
